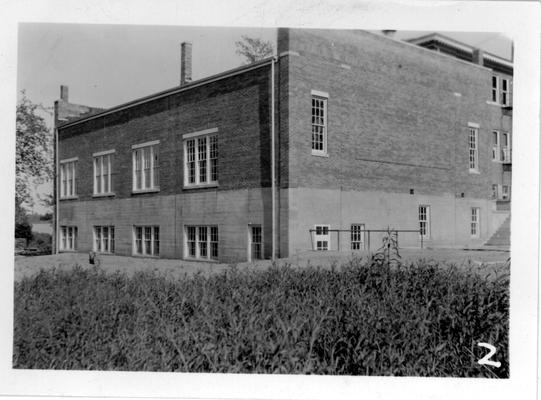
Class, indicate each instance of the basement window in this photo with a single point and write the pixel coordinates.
(68, 238)
(146, 240)
(319, 123)
(424, 221)
(104, 239)
(201, 242)
(474, 223)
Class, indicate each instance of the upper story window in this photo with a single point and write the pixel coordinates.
(201, 158)
(102, 172)
(495, 89)
(146, 167)
(473, 147)
(319, 122)
(500, 93)
(68, 173)
(501, 150)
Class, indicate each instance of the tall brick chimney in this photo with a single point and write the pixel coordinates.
(185, 63)
(64, 93)
(477, 56)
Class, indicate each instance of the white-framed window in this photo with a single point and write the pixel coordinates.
(322, 238)
(424, 221)
(201, 158)
(504, 95)
(473, 133)
(357, 236)
(68, 238)
(495, 145)
(68, 174)
(102, 172)
(104, 239)
(201, 242)
(146, 240)
(474, 223)
(255, 242)
(505, 147)
(495, 89)
(319, 122)
(146, 167)
(505, 192)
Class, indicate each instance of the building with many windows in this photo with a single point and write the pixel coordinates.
(345, 131)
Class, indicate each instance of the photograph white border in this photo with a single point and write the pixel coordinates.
(518, 20)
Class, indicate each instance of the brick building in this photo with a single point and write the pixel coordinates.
(356, 130)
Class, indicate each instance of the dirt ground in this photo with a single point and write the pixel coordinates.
(486, 261)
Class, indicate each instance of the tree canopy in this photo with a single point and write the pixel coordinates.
(33, 159)
(253, 49)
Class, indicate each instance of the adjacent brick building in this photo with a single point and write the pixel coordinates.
(368, 132)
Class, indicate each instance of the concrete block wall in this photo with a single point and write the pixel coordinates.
(232, 211)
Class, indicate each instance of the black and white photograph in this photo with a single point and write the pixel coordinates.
(289, 205)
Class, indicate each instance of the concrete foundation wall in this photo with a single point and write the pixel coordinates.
(232, 211)
(449, 221)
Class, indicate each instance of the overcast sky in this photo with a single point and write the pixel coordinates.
(107, 65)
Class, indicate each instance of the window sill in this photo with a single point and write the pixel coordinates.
(207, 260)
(317, 154)
(69, 198)
(109, 194)
(66, 251)
(143, 255)
(493, 103)
(199, 186)
(475, 172)
(140, 191)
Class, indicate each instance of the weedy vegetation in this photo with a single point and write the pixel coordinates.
(363, 318)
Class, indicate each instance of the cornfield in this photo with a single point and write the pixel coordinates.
(359, 319)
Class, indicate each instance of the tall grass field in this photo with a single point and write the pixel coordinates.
(359, 319)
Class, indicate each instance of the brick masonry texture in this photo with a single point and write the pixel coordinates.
(394, 121)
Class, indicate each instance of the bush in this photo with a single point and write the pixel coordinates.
(357, 320)
(23, 230)
(42, 242)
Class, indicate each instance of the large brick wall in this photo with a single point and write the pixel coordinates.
(237, 106)
(394, 120)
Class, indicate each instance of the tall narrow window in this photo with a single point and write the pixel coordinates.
(146, 240)
(104, 239)
(474, 224)
(102, 173)
(256, 243)
(145, 166)
(473, 149)
(505, 148)
(357, 236)
(424, 221)
(322, 237)
(68, 174)
(319, 125)
(505, 92)
(495, 89)
(68, 238)
(495, 145)
(201, 158)
(202, 242)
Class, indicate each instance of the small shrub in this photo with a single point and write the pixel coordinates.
(360, 319)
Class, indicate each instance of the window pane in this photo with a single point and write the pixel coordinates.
(202, 159)
(190, 155)
(156, 166)
(146, 167)
(148, 240)
(213, 158)
(156, 240)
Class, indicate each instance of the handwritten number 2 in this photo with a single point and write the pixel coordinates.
(486, 359)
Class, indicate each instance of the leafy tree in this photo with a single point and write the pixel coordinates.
(33, 151)
(253, 49)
